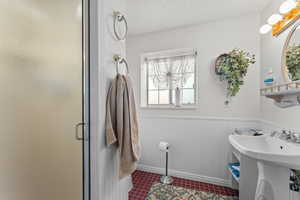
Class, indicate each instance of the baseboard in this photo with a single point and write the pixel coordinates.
(186, 175)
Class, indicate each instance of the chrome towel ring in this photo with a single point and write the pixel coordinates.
(119, 60)
(119, 17)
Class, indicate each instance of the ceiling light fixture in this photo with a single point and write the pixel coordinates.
(265, 29)
(274, 19)
(289, 14)
(287, 6)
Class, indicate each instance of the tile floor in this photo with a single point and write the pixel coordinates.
(142, 182)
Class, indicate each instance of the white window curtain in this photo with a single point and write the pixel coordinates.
(171, 72)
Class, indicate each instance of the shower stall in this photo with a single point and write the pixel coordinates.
(44, 100)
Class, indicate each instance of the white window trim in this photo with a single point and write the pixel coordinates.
(142, 71)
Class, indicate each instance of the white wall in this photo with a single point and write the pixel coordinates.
(199, 137)
(200, 148)
(105, 182)
(271, 51)
(211, 40)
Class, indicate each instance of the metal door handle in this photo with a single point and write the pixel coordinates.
(77, 131)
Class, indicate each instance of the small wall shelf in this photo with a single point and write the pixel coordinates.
(284, 95)
(234, 175)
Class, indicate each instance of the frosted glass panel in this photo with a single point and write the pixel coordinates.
(40, 101)
(188, 96)
(190, 82)
(164, 97)
(153, 97)
(151, 85)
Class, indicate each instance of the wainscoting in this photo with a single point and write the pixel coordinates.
(199, 150)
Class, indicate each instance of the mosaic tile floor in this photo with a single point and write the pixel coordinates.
(142, 182)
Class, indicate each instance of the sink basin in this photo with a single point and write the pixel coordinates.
(270, 149)
(274, 159)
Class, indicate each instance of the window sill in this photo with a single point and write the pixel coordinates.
(185, 107)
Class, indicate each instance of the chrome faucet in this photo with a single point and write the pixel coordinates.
(287, 135)
(295, 137)
(274, 133)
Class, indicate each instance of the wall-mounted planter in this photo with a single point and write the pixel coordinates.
(232, 68)
(218, 63)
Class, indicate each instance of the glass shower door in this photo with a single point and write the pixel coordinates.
(41, 85)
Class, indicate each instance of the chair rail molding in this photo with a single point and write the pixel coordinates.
(195, 117)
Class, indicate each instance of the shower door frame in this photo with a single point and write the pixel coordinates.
(86, 147)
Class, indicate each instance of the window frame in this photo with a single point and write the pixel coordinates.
(144, 79)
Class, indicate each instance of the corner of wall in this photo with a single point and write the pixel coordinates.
(105, 182)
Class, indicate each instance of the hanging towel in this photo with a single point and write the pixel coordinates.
(122, 124)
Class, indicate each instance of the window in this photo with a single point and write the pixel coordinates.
(168, 79)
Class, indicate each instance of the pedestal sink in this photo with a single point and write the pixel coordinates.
(275, 158)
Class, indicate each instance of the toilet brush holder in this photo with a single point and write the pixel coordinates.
(166, 179)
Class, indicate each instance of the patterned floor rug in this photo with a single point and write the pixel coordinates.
(168, 192)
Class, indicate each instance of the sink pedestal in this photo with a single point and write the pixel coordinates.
(273, 182)
(274, 157)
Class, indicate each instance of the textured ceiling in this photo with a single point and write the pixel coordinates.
(155, 15)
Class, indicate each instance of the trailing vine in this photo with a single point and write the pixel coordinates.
(232, 68)
(293, 62)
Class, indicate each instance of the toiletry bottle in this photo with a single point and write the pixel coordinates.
(269, 80)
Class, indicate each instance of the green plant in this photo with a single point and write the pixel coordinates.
(293, 61)
(232, 68)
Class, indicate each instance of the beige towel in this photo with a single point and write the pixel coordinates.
(122, 124)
